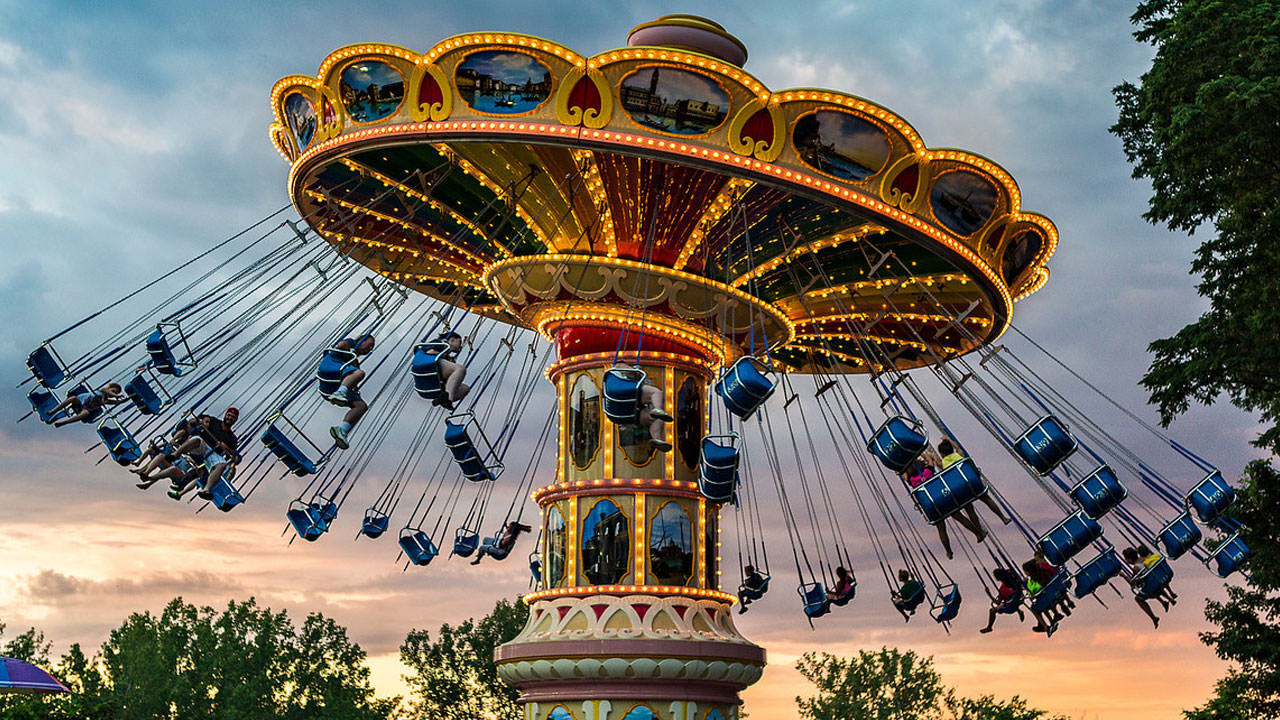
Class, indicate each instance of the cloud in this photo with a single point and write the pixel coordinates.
(50, 587)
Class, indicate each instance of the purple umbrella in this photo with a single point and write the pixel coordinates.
(17, 676)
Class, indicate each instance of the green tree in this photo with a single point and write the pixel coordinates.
(1202, 127)
(890, 684)
(191, 662)
(454, 676)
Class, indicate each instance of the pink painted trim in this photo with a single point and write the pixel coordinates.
(620, 691)
(631, 647)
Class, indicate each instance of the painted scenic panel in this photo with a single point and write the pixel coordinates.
(370, 90)
(674, 101)
(963, 201)
(839, 144)
(503, 83)
(1020, 253)
(301, 116)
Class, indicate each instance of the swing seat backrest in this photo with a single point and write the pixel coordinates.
(946, 604)
(815, 599)
(43, 401)
(844, 598)
(622, 394)
(1211, 497)
(912, 601)
(1097, 572)
(144, 396)
(949, 491)
(718, 469)
(375, 524)
(323, 512)
(496, 551)
(425, 369)
(303, 522)
(1045, 444)
(47, 367)
(1179, 536)
(755, 592)
(745, 386)
(334, 365)
(162, 356)
(225, 495)
(1151, 581)
(1228, 556)
(1069, 537)
(1051, 594)
(470, 459)
(417, 547)
(288, 452)
(465, 542)
(1098, 492)
(1011, 606)
(119, 441)
(897, 442)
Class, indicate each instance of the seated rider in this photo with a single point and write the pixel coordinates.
(752, 588)
(925, 467)
(1007, 599)
(212, 443)
(653, 414)
(501, 545)
(87, 404)
(842, 593)
(904, 598)
(1037, 578)
(1141, 558)
(452, 373)
(951, 456)
(348, 393)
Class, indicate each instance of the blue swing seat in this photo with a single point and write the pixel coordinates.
(755, 593)
(47, 367)
(1069, 537)
(163, 359)
(897, 442)
(1149, 582)
(145, 397)
(815, 599)
(425, 368)
(119, 441)
(417, 546)
(1098, 492)
(1014, 603)
(1228, 556)
(951, 490)
(910, 602)
(622, 394)
(470, 458)
(288, 452)
(1097, 572)
(745, 386)
(946, 604)
(465, 542)
(43, 401)
(375, 523)
(1211, 497)
(1045, 444)
(225, 495)
(334, 365)
(1179, 536)
(311, 520)
(81, 388)
(718, 468)
(1050, 594)
(493, 549)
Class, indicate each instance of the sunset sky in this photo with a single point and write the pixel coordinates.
(133, 135)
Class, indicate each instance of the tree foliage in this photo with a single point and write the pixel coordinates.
(190, 662)
(1203, 126)
(893, 685)
(454, 676)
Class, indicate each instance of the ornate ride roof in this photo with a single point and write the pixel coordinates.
(505, 171)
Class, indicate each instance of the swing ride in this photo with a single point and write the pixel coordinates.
(674, 246)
